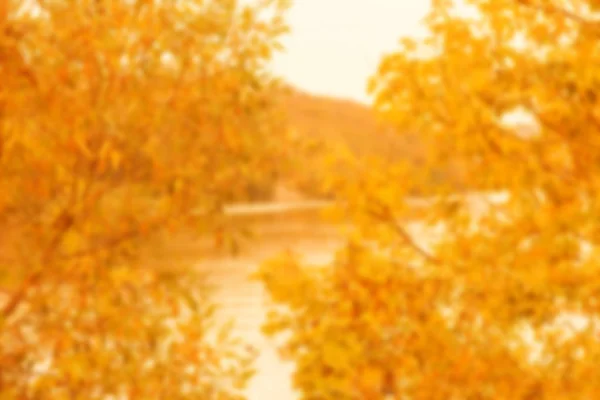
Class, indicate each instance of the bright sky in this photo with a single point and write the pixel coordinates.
(336, 45)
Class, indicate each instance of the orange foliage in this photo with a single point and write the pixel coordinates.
(476, 302)
(120, 121)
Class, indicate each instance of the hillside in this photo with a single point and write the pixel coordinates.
(323, 123)
(335, 120)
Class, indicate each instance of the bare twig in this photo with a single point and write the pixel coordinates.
(386, 216)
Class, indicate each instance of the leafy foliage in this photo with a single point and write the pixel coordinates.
(121, 121)
(503, 304)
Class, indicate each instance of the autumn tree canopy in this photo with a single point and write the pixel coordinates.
(503, 304)
(121, 121)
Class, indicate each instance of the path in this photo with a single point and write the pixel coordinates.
(244, 300)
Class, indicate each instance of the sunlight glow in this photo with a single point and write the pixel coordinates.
(336, 45)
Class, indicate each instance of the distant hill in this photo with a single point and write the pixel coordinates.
(335, 120)
(322, 123)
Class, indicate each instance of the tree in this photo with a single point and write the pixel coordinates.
(122, 122)
(483, 311)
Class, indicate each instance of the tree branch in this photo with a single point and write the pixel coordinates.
(386, 216)
(548, 7)
(63, 223)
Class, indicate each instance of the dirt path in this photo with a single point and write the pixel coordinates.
(244, 301)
